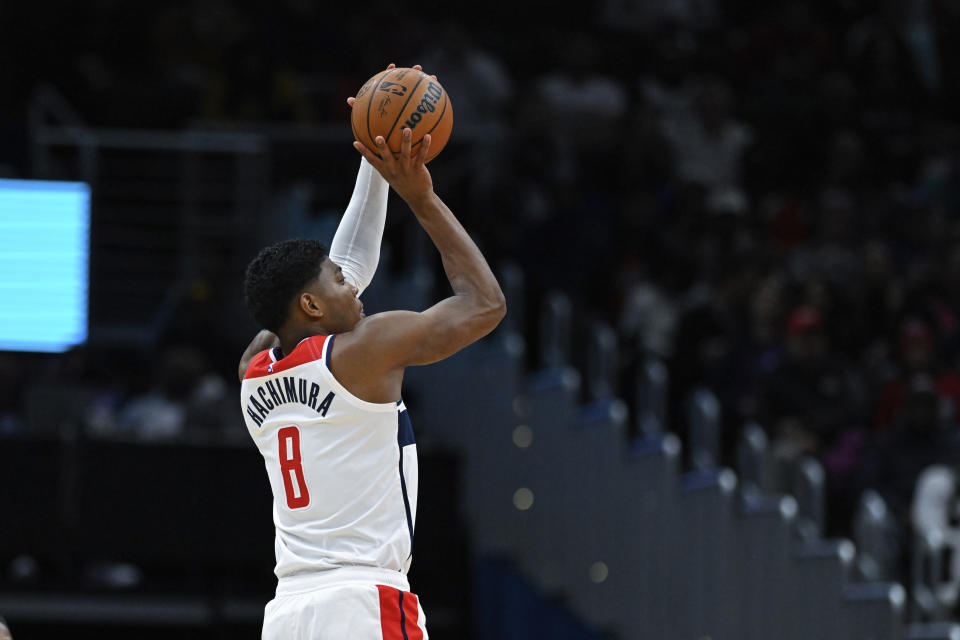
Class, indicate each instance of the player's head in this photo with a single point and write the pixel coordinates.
(294, 284)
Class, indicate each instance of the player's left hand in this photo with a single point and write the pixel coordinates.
(261, 341)
(351, 99)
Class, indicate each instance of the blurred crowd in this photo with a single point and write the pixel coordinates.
(764, 195)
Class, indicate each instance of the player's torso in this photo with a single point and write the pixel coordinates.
(343, 471)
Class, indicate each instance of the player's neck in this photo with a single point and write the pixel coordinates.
(291, 337)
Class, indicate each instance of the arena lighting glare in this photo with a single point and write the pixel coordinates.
(44, 262)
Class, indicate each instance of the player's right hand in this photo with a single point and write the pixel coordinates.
(407, 173)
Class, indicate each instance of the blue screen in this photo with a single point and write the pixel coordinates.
(44, 258)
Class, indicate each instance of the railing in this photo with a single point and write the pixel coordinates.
(171, 210)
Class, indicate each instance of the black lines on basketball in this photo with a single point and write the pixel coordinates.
(410, 95)
(396, 99)
(373, 93)
(437, 123)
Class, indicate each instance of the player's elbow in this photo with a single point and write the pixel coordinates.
(500, 307)
(494, 309)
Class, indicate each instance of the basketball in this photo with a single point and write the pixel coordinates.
(399, 98)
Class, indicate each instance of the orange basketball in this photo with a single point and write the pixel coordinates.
(396, 99)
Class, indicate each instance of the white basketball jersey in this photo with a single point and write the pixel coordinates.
(343, 471)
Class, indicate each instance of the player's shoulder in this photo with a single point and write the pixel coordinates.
(379, 321)
(269, 362)
(259, 365)
(373, 329)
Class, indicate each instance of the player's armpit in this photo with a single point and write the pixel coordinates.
(263, 340)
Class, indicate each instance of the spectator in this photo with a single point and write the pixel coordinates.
(758, 350)
(811, 397)
(649, 318)
(580, 98)
(893, 69)
(917, 356)
(481, 86)
(708, 144)
(476, 77)
(185, 394)
(917, 437)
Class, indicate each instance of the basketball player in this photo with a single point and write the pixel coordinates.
(356, 244)
(5, 630)
(324, 408)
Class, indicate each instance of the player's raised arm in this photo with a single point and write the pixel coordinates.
(355, 247)
(356, 244)
(397, 339)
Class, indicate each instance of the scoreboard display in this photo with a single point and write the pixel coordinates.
(44, 264)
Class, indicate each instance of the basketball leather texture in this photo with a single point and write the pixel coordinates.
(396, 99)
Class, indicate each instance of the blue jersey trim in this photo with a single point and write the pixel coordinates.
(404, 430)
(330, 350)
(406, 500)
(404, 438)
(403, 617)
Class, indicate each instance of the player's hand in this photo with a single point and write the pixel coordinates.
(351, 99)
(261, 341)
(407, 171)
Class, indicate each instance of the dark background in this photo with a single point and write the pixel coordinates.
(765, 196)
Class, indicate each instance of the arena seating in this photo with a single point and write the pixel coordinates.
(634, 544)
(630, 538)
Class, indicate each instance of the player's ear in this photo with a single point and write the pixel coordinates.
(311, 305)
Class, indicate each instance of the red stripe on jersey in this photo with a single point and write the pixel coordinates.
(390, 613)
(411, 612)
(307, 351)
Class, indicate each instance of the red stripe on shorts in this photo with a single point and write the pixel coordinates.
(411, 612)
(390, 613)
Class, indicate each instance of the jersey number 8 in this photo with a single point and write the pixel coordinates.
(291, 468)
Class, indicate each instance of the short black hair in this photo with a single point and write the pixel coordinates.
(276, 275)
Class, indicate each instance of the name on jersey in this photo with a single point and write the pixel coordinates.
(273, 393)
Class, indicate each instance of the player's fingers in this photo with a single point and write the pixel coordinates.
(424, 149)
(350, 101)
(371, 157)
(419, 68)
(385, 153)
(391, 66)
(405, 144)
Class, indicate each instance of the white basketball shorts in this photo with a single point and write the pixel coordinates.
(351, 608)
